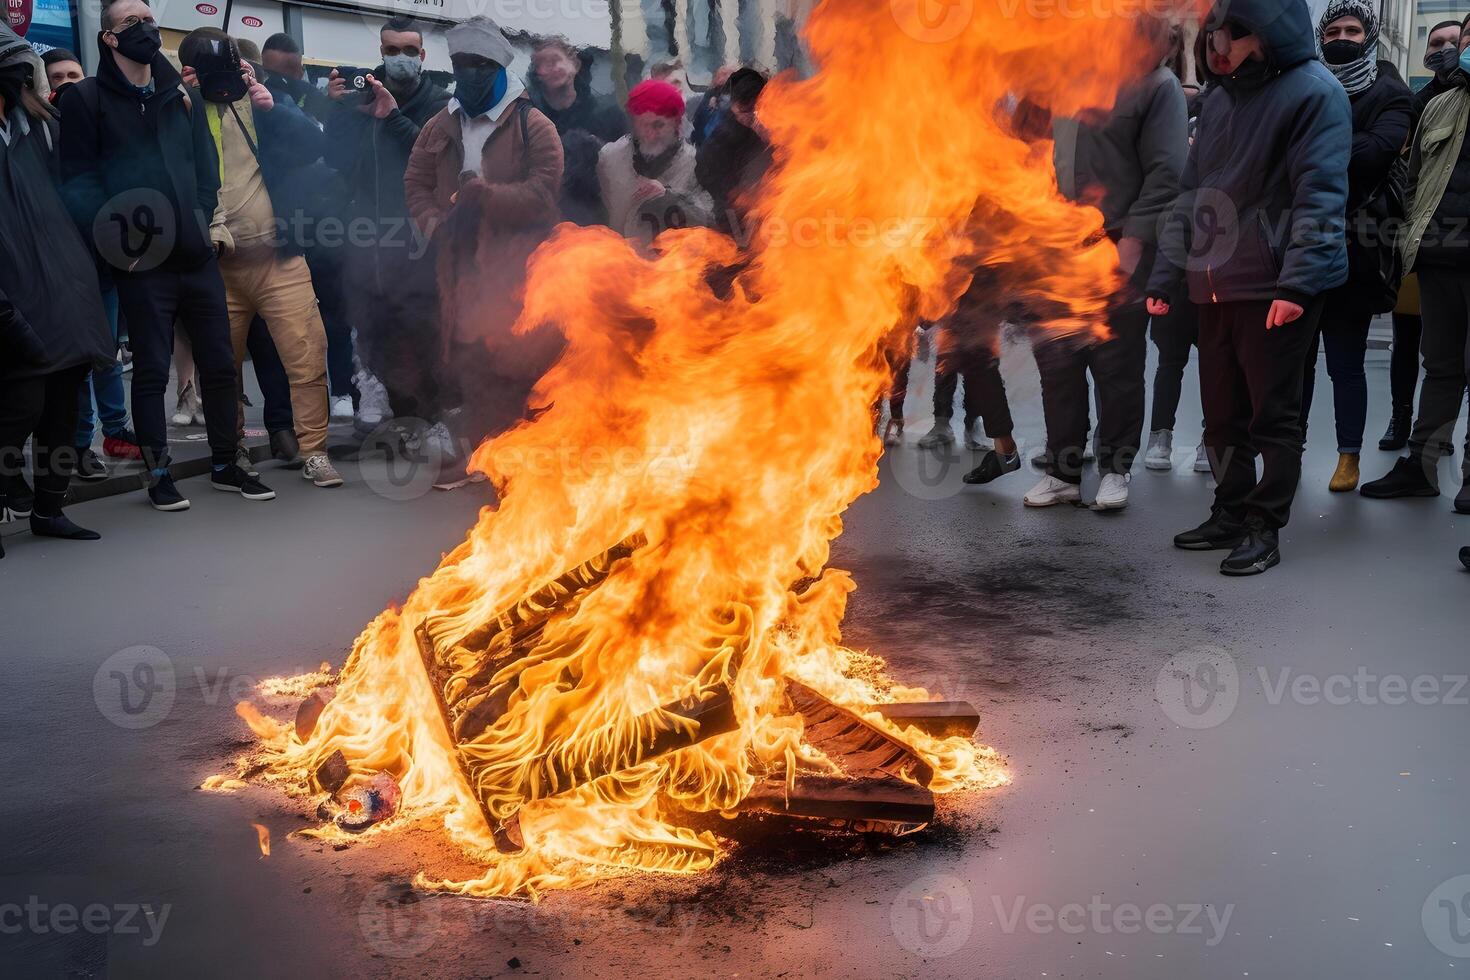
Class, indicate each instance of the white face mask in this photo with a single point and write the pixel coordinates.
(402, 69)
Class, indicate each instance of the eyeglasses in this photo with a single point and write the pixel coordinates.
(389, 50)
(132, 21)
(1221, 38)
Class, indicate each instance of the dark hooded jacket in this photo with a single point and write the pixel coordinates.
(51, 314)
(1382, 114)
(372, 154)
(117, 145)
(730, 165)
(1263, 200)
(600, 117)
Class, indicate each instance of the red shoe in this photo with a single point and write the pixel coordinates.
(124, 445)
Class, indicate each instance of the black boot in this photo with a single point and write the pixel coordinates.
(285, 448)
(1397, 435)
(1259, 551)
(61, 526)
(1217, 532)
(1410, 477)
(1462, 499)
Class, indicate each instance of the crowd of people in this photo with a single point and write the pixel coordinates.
(1272, 211)
(365, 242)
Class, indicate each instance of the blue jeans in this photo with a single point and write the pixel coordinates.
(1344, 334)
(107, 387)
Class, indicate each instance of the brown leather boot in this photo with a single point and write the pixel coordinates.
(1345, 477)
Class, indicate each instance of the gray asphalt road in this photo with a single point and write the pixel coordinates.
(1213, 778)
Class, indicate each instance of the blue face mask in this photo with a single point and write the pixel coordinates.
(479, 88)
(1465, 60)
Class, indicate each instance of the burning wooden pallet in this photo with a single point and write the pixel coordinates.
(476, 676)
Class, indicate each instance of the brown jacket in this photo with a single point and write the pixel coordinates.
(484, 235)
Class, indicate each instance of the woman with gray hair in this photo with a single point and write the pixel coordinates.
(52, 328)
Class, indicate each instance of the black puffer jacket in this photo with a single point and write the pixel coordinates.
(51, 314)
(1382, 115)
(121, 149)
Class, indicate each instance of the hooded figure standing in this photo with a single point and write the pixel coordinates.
(1258, 234)
(1382, 109)
(52, 327)
(482, 185)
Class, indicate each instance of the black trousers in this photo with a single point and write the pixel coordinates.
(151, 302)
(1251, 384)
(270, 374)
(331, 298)
(1116, 365)
(977, 360)
(43, 409)
(1403, 365)
(398, 338)
(1444, 302)
(1173, 334)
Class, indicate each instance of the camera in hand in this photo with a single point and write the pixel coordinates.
(219, 72)
(358, 89)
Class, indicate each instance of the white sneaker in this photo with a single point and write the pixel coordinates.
(1051, 491)
(1160, 455)
(320, 471)
(939, 437)
(1112, 494)
(1202, 459)
(437, 443)
(342, 408)
(372, 402)
(188, 407)
(975, 438)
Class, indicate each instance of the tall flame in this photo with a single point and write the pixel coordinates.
(731, 428)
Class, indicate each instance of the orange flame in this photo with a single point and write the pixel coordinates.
(732, 431)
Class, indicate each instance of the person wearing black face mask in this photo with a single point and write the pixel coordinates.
(1258, 234)
(1382, 109)
(141, 178)
(1441, 57)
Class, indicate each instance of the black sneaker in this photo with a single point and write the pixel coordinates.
(993, 466)
(1396, 436)
(235, 480)
(1408, 478)
(285, 448)
(1215, 533)
(1259, 551)
(90, 465)
(163, 495)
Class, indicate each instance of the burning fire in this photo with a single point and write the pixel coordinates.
(726, 430)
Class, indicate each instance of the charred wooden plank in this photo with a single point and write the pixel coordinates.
(861, 749)
(880, 805)
(942, 719)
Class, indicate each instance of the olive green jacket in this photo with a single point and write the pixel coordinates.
(1432, 159)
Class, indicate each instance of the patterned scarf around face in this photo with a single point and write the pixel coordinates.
(1359, 74)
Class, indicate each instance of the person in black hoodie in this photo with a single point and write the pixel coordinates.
(52, 327)
(1441, 57)
(389, 273)
(736, 156)
(141, 179)
(1382, 108)
(1258, 232)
